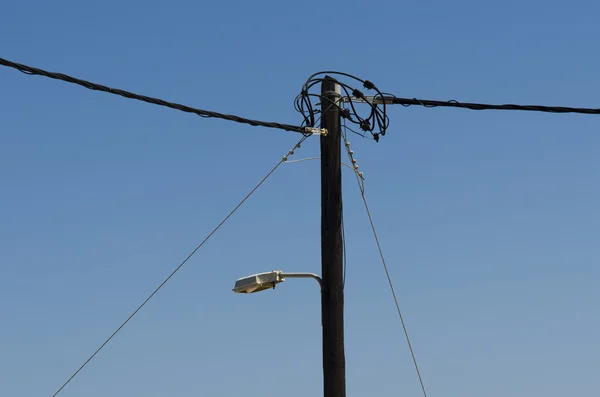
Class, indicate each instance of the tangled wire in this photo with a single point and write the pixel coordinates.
(375, 123)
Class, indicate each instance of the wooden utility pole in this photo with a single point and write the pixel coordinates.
(332, 294)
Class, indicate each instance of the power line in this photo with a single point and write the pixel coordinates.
(359, 179)
(483, 106)
(200, 112)
(291, 152)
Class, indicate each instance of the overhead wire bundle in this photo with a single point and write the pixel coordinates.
(374, 122)
(29, 70)
(428, 103)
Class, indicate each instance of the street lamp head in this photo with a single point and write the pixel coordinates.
(258, 282)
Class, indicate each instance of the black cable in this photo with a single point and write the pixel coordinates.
(360, 134)
(332, 103)
(180, 266)
(338, 73)
(344, 248)
(98, 87)
(377, 121)
(484, 106)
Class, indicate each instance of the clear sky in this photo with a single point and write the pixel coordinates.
(489, 220)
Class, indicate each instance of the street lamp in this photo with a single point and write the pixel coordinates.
(262, 281)
(332, 254)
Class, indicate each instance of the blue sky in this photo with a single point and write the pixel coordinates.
(489, 220)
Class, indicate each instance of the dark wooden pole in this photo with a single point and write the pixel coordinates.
(332, 295)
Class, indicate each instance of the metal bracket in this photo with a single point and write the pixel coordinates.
(388, 100)
(316, 131)
(283, 276)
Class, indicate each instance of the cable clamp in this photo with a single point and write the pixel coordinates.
(375, 100)
(316, 131)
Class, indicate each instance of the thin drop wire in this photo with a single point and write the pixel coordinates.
(301, 160)
(313, 158)
(344, 249)
(389, 279)
(179, 267)
(344, 236)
